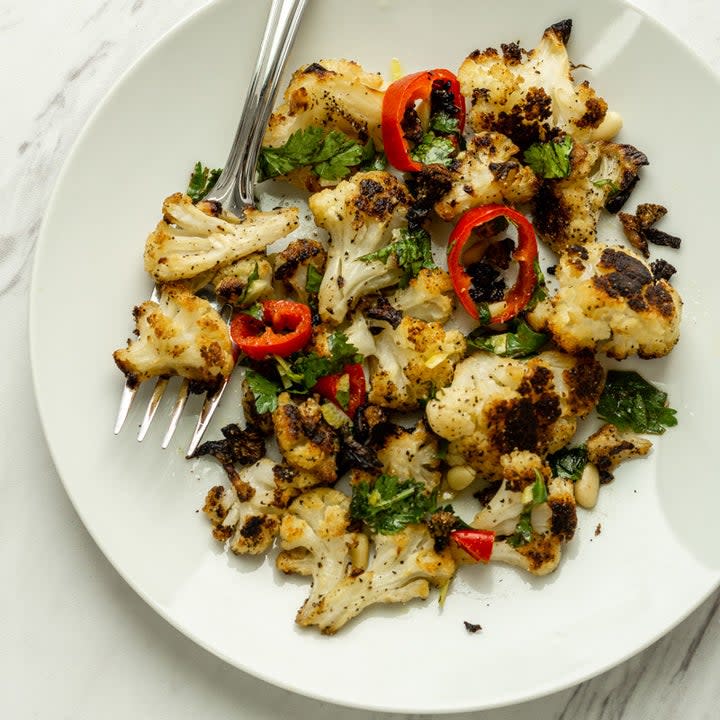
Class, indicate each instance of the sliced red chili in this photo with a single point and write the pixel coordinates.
(402, 94)
(526, 253)
(346, 389)
(285, 328)
(476, 543)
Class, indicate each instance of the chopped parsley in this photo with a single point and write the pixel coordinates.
(313, 280)
(550, 159)
(434, 149)
(412, 252)
(329, 155)
(632, 403)
(522, 341)
(264, 391)
(388, 504)
(202, 181)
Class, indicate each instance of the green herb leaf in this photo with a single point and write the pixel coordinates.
(539, 292)
(254, 276)
(522, 342)
(412, 251)
(484, 314)
(569, 462)
(255, 310)
(330, 155)
(434, 149)
(313, 280)
(442, 122)
(202, 181)
(372, 158)
(550, 159)
(632, 403)
(614, 187)
(389, 504)
(265, 391)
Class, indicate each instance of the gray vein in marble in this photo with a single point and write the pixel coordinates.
(697, 639)
(96, 14)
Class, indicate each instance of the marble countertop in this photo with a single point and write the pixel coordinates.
(76, 641)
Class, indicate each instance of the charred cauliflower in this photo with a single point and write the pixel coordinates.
(602, 175)
(192, 239)
(334, 95)
(429, 296)
(496, 405)
(248, 514)
(609, 302)
(181, 334)
(315, 540)
(292, 266)
(245, 281)
(486, 172)
(409, 363)
(531, 95)
(360, 214)
(411, 455)
(608, 447)
(306, 441)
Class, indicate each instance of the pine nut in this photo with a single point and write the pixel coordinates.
(360, 552)
(459, 477)
(588, 487)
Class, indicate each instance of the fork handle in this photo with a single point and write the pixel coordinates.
(235, 187)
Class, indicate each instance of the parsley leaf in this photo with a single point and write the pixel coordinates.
(372, 158)
(550, 159)
(265, 391)
(412, 253)
(303, 371)
(390, 504)
(202, 181)
(443, 122)
(521, 342)
(632, 403)
(614, 187)
(569, 462)
(330, 156)
(434, 149)
(254, 276)
(313, 280)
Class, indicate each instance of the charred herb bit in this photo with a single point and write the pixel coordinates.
(472, 628)
(521, 341)
(412, 252)
(243, 447)
(329, 155)
(389, 504)
(632, 403)
(569, 462)
(202, 181)
(523, 530)
(550, 160)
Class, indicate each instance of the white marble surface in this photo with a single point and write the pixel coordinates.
(76, 641)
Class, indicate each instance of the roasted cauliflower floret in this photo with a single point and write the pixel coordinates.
(292, 265)
(248, 513)
(192, 239)
(602, 175)
(487, 171)
(496, 405)
(530, 532)
(244, 281)
(335, 95)
(306, 441)
(609, 302)
(530, 95)
(429, 296)
(409, 363)
(411, 455)
(608, 447)
(360, 214)
(315, 540)
(180, 334)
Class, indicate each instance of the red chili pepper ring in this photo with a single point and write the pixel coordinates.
(526, 253)
(285, 328)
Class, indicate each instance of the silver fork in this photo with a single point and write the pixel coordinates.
(234, 190)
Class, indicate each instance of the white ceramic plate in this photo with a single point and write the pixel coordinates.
(657, 557)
